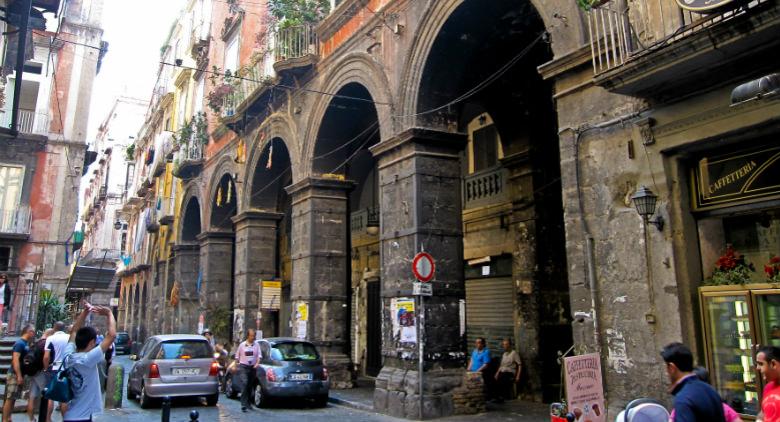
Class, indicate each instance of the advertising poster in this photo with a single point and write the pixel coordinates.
(404, 321)
(584, 389)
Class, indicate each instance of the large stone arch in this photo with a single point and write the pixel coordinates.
(358, 68)
(276, 127)
(191, 192)
(224, 166)
(564, 22)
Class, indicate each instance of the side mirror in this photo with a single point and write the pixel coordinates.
(133, 357)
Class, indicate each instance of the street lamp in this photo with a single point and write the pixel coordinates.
(645, 200)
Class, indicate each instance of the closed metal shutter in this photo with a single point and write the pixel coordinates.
(490, 311)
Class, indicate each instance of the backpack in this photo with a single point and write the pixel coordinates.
(32, 361)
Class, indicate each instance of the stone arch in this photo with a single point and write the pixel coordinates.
(566, 35)
(192, 195)
(224, 167)
(358, 68)
(277, 128)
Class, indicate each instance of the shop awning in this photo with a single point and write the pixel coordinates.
(84, 277)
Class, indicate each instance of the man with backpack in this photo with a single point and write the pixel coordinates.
(15, 380)
(54, 352)
(39, 378)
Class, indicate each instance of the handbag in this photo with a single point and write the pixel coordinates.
(59, 388)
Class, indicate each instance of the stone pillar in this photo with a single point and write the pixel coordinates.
(256, 253)
(420, 184)
(216, 263)
(320, 271)
(186, 266)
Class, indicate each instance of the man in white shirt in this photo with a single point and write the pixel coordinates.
(54, 352)
(82, 356)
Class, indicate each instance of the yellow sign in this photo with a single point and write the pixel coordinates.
(272, 284)
(302, 311)
(270, 294)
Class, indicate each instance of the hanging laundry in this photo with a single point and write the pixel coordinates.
(229, 192)
(270, 156)
(219, 196)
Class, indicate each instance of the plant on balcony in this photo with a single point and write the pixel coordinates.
(730, 268)
(184, 134)
(298, 12)
(201, 128)
(772, 269)
(130, 152)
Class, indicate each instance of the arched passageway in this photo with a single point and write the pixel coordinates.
(182, 291)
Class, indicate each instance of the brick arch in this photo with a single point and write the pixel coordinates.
(566, 37)
(358, 68)
(276, 127)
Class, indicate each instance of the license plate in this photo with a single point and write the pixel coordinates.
(186, 371)
(300, 377)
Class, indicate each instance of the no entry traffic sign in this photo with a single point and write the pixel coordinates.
(423, 267)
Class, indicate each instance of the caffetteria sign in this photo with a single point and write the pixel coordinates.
(744, 176)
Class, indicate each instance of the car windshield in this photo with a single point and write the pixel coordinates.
(184, 349)
(294, 351)
(121, 338)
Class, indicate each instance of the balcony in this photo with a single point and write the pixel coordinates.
(296, 49)
(486, 187)
(365, 221)
(29, 122)
(248, 97)
(632, 56)
(166, 212)
(102, 193)
(163, 145)
(15, 222)
(150, 220)
(188, 160)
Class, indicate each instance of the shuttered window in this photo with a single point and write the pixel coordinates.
(489, 311)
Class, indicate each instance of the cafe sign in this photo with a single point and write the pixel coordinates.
(737, 177)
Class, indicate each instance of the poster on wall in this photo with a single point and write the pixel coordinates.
(404, 321)
(584, 388)
(301, 318)
(270, 294)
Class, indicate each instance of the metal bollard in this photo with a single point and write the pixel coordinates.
(166, 409)
(194, 416)
(43, 407)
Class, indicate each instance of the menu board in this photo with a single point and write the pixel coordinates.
(584, 388)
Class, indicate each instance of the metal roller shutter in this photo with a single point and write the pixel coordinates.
(489, 311)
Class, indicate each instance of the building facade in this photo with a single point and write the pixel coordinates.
(511, 141)
(40, 166)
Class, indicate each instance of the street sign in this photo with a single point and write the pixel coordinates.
(422, 289)
(423, 267)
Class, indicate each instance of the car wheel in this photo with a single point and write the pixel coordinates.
(261, 400)
(321, 401)
(130, 393)
(229, 392)
(143, 400)
(212, 399)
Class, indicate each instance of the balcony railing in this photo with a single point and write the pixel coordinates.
(163, 145)
(188, 160)
(294, 43)
(15, 221)
(245, 88)
(485, 187)
(363, 219)
(166, 210)
(29, 122)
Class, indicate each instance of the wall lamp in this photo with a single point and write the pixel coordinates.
(644, 200)
(765, 87)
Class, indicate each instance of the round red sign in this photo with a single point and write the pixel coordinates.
(423, 267)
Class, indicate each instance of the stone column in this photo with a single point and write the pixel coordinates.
(420, 184)
(216, 263)
(320, 272)
(186, 266)
(256, 252)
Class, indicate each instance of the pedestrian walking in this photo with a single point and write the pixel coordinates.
(5, 298)
(248, 358)
(210, 337)
(508, 374)
(40, 380)
(768, 364)
(694, 400)
(82, 356)
(16, 382)
(54, 352)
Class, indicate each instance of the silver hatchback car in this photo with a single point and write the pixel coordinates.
(175, 365)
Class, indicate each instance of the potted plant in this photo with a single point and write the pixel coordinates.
(772, 269)
(730, 268)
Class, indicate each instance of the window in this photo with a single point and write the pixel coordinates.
(5, 258)
(129, 176)
(199, 95)
(485, 148)
(184, 349)
(294, 351)
(11, 180)
(231, 54)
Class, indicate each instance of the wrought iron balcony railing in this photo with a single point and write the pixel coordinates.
(363, 219)
(295, 42)
(15, 221)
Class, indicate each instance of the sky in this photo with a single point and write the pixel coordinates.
(135, 31)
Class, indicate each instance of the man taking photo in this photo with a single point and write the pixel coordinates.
(82, 356)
